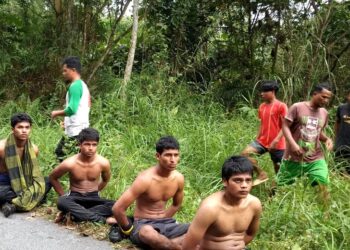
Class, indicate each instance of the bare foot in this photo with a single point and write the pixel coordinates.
(261, 178)
(111, 221)
(59, 217)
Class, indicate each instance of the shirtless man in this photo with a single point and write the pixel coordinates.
(22, 186)
(228, 219)
(153, 224)
(88, 174)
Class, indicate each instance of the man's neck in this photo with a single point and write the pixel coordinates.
(20, 143)
(77, 77)
(270, 100)
(87, 159)
(162, 172)
(312, 105)
(231, 200)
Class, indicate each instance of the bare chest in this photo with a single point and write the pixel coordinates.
(161, 190)
(232, 222)
(89, 173)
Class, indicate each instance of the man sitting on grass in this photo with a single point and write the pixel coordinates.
(228, 219)
(88, 173)
(153, 225)
(22, 185)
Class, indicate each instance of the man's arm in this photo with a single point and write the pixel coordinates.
(254, 225)
(138, 187)
(177, 199)
(295, 148)
(282, 114)
(75, 92)
(204, 217)
(326, 140)
(105, 175)
(56, 174)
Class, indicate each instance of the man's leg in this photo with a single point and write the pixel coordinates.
(276, 157)
(76, 207)
(318, 175)
(247, 152)
(149, 236)
(6, 194)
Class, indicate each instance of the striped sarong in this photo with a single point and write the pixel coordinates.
(26, 178)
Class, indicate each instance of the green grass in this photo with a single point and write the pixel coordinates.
(292, 219)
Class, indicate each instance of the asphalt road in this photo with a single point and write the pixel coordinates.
(23, 232)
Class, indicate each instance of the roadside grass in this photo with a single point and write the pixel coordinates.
(292, 219)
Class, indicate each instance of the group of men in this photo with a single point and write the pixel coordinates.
(228, 219)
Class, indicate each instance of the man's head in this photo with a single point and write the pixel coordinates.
(21, 124)
(71, 68)
(347, 98)
(268, 89)
(168, 152)
(321, 94)
(237, 173)
(88, 140)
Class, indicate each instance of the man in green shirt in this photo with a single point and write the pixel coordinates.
(78, 102)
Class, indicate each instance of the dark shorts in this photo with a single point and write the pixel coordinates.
(167, 227)
(276, 155)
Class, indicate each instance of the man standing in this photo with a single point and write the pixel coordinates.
(78, 102)
(22, 186)
(303, 128)
(227, 219)
(88, 174)
(270, 138)
(342, 133)
(153, 224)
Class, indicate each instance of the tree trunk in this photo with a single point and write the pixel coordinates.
(130, 61)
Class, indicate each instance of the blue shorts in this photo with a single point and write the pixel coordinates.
(276, 155)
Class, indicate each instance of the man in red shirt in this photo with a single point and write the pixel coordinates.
(270, 138)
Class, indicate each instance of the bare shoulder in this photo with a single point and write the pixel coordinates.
(103, 161)
(145, 177)
(212, 203)
(2, 147)
(36, 149)
(69, 162)
(179, 176)
(254, 203)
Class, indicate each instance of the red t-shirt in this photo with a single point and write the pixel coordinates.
(271, 116)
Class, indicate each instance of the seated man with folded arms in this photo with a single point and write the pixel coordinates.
(22, 185)
(88, 173)
(228, 219)
(153, 225)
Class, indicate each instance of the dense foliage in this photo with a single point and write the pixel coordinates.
(197, 65)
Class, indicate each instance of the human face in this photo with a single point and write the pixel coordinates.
(22, 130)
(239, 185)
(68, 73)
(168, 159)
(321, 99)
(88, 148)
(267, 96)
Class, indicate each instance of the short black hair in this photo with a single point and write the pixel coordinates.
(88, 134)
(72, 62)
(167, 142)
(236, 165)
(269, 85)
(20, 117)
(321, 86)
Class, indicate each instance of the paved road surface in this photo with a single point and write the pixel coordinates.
(22, 232)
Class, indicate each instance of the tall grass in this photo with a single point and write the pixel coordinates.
(292, 219)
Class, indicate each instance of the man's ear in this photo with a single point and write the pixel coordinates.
(224, 182)
(157, 155)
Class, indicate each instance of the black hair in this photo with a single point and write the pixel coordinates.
(88, 134)
(236, 165)
(319, 87)
(20, 117)
(167, 142)
(269, 85)
(72, 62)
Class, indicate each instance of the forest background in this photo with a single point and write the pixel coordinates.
(195, 75)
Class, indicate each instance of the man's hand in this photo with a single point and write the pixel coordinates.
(126, 231)
(54, 114)
(272, 145)
(297, 150)
(329, 144)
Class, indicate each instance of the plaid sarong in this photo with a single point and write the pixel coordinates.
(26, 178)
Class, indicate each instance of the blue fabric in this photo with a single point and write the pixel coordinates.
(5, 179)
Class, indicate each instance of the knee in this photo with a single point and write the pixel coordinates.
(62, 203)
(146, 232)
